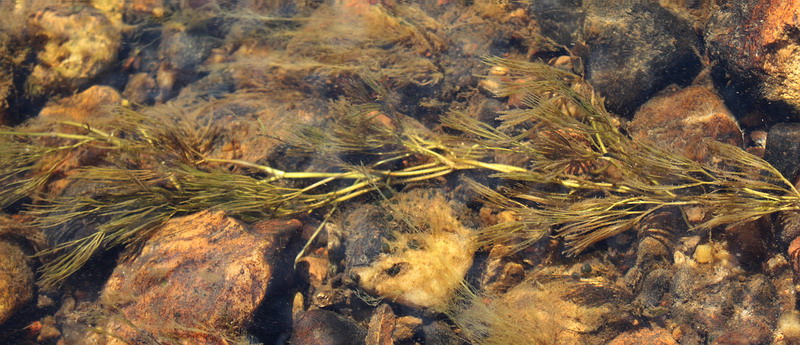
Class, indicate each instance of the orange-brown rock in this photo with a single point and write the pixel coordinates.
(152, 7)
(16, 275)
(381, 326)
(794, 254)
(81, 43)
(197, 280)
(682, 119)
(406, 327)
(16, 279)
(756, 40)
(645, 336)
(502, 271)
(83, 106)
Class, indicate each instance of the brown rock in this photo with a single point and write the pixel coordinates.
(198, 279)
(156, 8)
(645, 336)
(682, 119)
(794, 254)
(313, 269)
(406, 327)
(49, 330)
(16, 275)
(84, 105)
(140, 89)
(80, 44)
(696, 12)
(749, 241)
(381, 326)
(502, 273)
(788, 225)
(16, 279)
(756, 40)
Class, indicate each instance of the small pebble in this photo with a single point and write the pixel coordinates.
(789, 326)
(704, 253)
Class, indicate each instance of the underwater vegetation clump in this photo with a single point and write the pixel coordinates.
(580, 175)
(609, 181)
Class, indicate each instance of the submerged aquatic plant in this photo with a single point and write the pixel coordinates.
(625, 179)
(154, 168)
(581, 175)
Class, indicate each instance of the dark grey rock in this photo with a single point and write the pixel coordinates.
(185, 50)
(636, 48)
(324, 327)
(216, 84)
(366, 228)
(653, 288)
(439, 333)
(783, 148)
(560, 20)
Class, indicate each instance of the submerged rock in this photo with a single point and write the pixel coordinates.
(560, 20)
(324, 327)
(141, 89)
(695, 12)
(413, 251)
(645, 336)
(81, 43)
(756, 43)
(636, 49)
(783, 148)
(83, 106)
(716, 300)
(198, 279)
(503, 270)
(681, 120)
(16, 279)
(16, 274)
(181, 52)
(381, 326)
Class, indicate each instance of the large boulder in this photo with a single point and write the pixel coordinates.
(636, 48)
(197, 280)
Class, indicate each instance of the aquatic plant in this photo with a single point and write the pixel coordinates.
(624, 179)
(153, 168)
(580, 174)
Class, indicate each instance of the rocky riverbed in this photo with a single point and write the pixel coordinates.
(391, 172)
